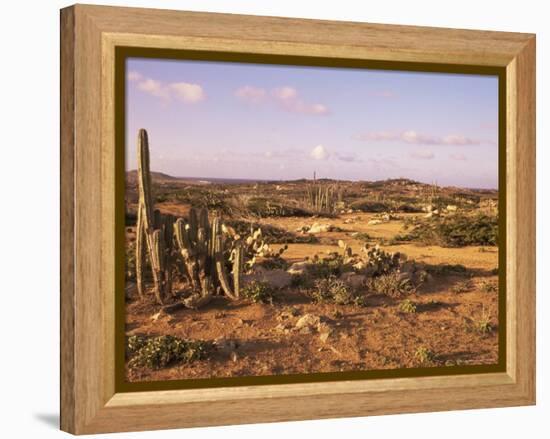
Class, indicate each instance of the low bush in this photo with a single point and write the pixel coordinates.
(259, 292)
(164, 350)
(455, 231)
(336, 291)
(407, 306)
(391, 284)
(462, 286)
(266, 207)
(423, 355)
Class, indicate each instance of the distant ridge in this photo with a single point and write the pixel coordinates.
(131, 178)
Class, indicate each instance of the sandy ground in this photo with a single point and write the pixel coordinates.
(259, 339)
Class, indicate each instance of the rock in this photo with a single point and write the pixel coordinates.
(309, 321)
(325, 331)
(277, 278)
(354, 280)
(158, 315)
(288, 314)
(234, 357)
(386, 217)
(299, 267)
(320, 228)
(359, 266)
(429, 215)
(374, 222)
(451, 208)
(283, 328)
(226, 346)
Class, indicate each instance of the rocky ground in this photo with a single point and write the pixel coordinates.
(451, 319)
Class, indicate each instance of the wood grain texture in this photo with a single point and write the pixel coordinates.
(90, 34)
(67, 254)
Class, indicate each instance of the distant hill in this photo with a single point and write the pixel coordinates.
(131, 176)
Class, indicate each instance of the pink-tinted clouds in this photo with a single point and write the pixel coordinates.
(415, 138)
(287, 98)
(181, 91)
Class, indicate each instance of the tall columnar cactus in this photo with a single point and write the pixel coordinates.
(321, 199)
(154, 230)
(201, 245)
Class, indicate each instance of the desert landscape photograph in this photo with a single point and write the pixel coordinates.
(284, 220)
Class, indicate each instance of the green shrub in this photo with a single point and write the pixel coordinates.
(407, 306)
(164, 350)
(335, 291)
(366, 205)
(455, 231)
(274, 263)
(391, 285)
(423, 355)
(488, 286)
(267, 207)
(332, 265)
(462, 286)
(483, 323)
(446, 269)
(258, 291)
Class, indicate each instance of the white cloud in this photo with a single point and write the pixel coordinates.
(154, 88)
(415, 138)
(285, 93)
(187, 92)
(285, 97)
(319, 153)
(183, 91)
(251, 94)
(422, 154)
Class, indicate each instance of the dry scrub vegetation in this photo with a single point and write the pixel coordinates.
(261, 278)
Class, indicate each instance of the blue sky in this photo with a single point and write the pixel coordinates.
(233, 120)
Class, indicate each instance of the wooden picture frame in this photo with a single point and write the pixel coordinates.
(90, 36)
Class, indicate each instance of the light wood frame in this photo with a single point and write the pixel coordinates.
(89, 35)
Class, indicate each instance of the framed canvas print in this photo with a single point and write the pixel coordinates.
(271, 219)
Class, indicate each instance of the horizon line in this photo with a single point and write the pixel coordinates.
(202, 178)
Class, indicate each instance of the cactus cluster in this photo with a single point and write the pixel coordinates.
(205, 253)
(207, 248)
(321, 199)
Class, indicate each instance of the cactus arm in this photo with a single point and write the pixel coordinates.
(141, 247)
(238, 267)
(144, 179)
(157, 261)
(221, 270)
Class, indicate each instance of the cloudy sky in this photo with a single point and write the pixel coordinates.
(232, 120)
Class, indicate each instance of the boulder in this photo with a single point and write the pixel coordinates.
(320, 228)
(354, 280)
(310, 321)
(374, 222)
(275, 278)
(299, 267)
